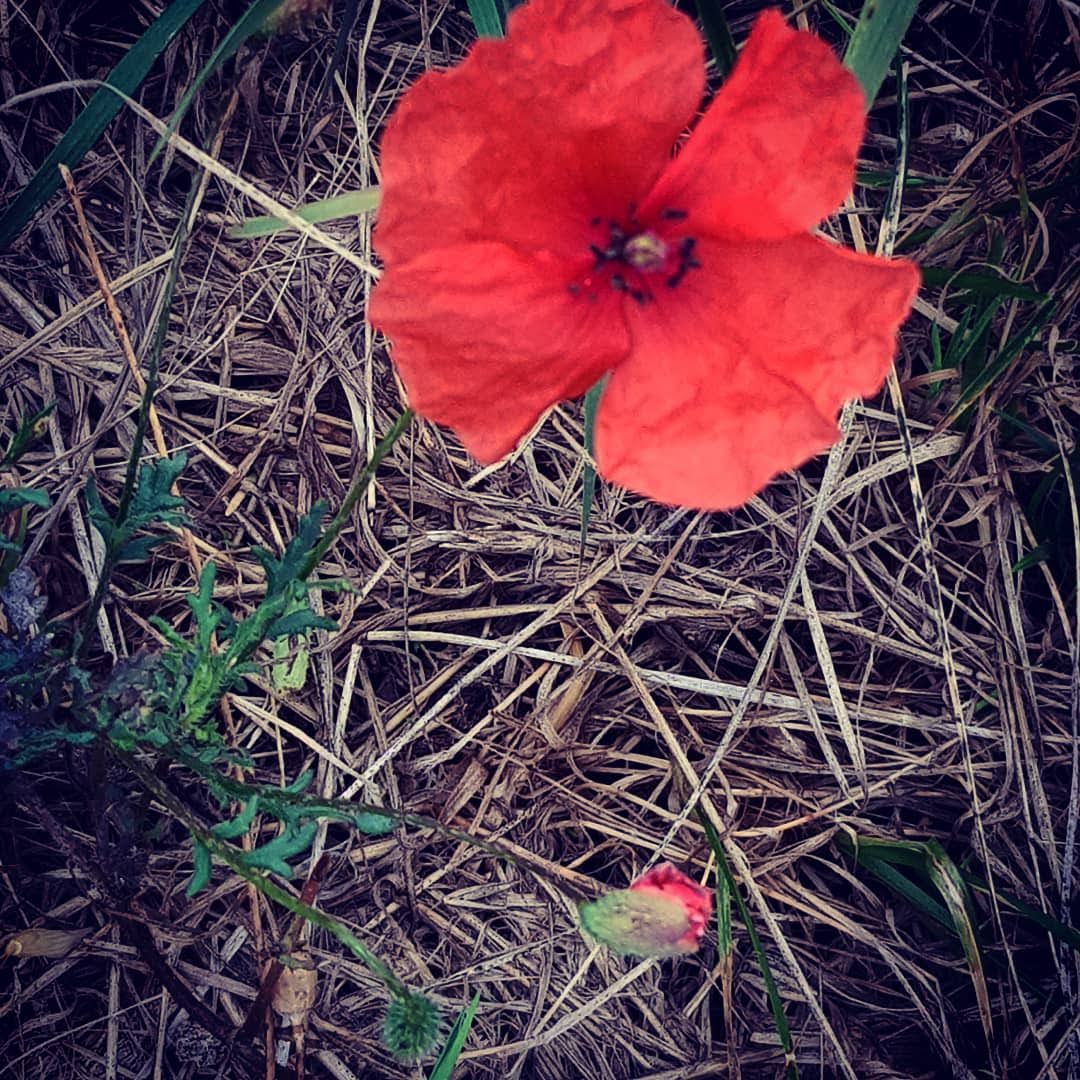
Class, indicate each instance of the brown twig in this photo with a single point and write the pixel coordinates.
(125, 347)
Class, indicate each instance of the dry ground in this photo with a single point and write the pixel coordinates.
(839, 662)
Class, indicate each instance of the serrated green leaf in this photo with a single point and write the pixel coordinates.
(92, 121)
(282, 572)
(203, 609)
(200, 874)
(153, 502)
(296, 623)
(13, 498)
(274, 854)
(372, 824)
(300, 784)
(231, 830)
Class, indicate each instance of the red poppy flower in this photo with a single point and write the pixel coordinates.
(537, 234)
(664, 913)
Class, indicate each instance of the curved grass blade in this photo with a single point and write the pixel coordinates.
(877, 35)
(950, 883)
(930, 859)
(982, 282)
(252, 22)
(350, 204)
(444, 1066)
(92, 121)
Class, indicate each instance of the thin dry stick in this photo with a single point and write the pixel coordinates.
(125, 346)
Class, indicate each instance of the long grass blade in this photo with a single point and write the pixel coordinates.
(950, 883)
(776, 1006)
(350, 204)
(718, 35)
(486, 18)
(444, 1066)
(588, 480)
(878, 33)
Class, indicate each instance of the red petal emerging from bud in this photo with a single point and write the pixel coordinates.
(663, 913)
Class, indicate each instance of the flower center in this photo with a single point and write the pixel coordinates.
(633, 259)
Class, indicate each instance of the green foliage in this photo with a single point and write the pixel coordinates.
(488, 17)
(444, 1064)
(159, 705)
(14, 498)
(875, 41)
(349, 205)
(92, 121)
(1048, 510)
(588, 479)
(31, 428)
(718, 34)
(152, 507)
(728, 891)
(21, 499)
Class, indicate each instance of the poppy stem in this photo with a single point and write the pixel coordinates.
(359, 486)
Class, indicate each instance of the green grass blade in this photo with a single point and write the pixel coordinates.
(444, 1066)
(588, 479)
(92, 121)
(1019, 341)
(983, 282)
(251, 22)
(718, 35)
(919, 898)
(486, 18)
(950, 883)
(776, 1006)
(350, 204)
(1058, 929)
(878, 33)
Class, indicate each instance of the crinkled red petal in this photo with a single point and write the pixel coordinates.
(486, 339)
(738, 373)
(572, 115)
(775, 151)
(667, 880)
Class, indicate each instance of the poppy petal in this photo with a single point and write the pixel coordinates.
(485, 339)
(775, 152)
(738, 373)
(571, 116)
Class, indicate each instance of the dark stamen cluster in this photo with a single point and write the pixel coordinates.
(642, 252)
(686, 261)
